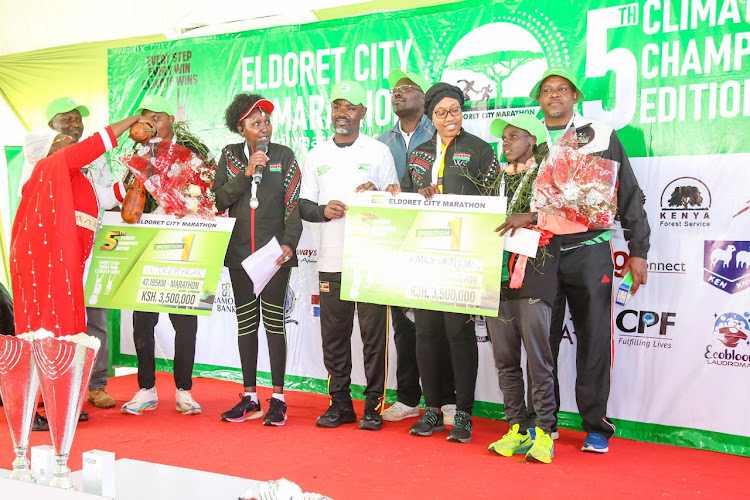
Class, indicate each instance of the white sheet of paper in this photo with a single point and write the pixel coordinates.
(524, 242)
(261, 267)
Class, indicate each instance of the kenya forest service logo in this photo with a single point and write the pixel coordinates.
(685, 202)
(732, 331)
(726, 265)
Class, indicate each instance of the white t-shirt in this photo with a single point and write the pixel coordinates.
(333, 173)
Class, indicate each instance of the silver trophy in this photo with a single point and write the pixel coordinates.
(19, 386)
(64, 365)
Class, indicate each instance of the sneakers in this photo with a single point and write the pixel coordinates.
(144, 400)
(595, 443)
(340, 412)
(371, 420)
(100, 398)
(461, 432)
(543, 448)
(555, 434)
(449, 413)
(513, 443)
(429, 423)
(185, 404)
(399, 411)
(246, 409)
(276, 415)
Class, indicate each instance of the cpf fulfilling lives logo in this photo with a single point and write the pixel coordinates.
(726, 265)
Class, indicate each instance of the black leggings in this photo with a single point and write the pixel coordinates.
(271, 301)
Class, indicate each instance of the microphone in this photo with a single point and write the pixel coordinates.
(258, 175)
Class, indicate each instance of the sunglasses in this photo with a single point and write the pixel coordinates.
(403, 89)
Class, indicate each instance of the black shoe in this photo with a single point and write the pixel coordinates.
(430, 422)
(276, 413)
(340, 412)
(40, 423)
(83, 417)
(246, 409)
(371, 420)
(461, 432)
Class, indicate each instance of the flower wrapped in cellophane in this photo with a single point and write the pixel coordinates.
(178, 179)
(580, 187)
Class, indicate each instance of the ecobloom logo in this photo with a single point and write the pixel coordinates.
(726, 265)
(730, 345)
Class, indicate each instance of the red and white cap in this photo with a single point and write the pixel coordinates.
(263, 104)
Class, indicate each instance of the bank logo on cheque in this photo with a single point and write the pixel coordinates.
(731, 331)
(726, 265)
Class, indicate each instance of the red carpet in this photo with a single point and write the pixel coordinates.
(345, 463)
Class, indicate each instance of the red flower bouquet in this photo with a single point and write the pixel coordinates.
(177, 178)
(577, 186)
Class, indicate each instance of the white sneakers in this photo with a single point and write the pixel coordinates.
(185, 403)
(146, 399)
(399, 411)
(449, 413)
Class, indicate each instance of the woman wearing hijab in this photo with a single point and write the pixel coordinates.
(54, 229)
(452, 162)
(264, 208)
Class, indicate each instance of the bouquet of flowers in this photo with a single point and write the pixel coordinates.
(177, 178)
(577, 186)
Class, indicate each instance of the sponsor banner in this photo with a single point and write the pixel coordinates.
(440, 254)
(160, 264)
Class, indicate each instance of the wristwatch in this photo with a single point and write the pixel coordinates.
(534, 218)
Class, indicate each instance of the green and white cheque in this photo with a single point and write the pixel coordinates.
(160, 264)
(440, 254)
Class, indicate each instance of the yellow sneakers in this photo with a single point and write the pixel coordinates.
(543, 449)
(512, 443)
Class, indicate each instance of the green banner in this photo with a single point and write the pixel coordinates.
(438, 254)
(160, 264)
(656, 70)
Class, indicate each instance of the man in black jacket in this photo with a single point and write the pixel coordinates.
(586, 263)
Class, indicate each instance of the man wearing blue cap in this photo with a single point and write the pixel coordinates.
(586, 263)
(333, 171)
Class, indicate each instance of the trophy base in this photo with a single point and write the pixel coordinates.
(61, 477)
(21, 471)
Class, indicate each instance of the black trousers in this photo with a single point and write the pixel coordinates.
(444, 341)
(585, 281)
(185, 328)
(270, 305)
(336, 323)
(408, 390)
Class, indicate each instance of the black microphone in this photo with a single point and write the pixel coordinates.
(258, 175)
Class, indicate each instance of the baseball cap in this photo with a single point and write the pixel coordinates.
(349, 90)
(63, 105)
(263, 104)
(524, 121)
(555, 72)
(157, 104)
(419, 80)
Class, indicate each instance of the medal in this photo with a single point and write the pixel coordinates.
(254, 203)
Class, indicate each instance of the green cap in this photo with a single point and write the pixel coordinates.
(418, 80)
(524, 121)
(157, 104)
(63, 105)
(555, 72)
(350, 91)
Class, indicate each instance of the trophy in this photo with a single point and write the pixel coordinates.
(19, 386)
(64, 365)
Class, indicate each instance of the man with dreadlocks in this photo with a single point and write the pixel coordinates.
(528, 291)
(160, 113)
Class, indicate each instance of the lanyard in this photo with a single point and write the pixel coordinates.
(549, 137)
(439, 165)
